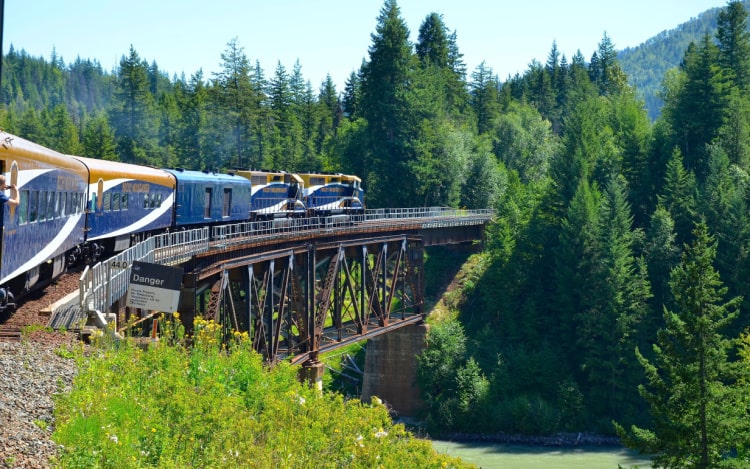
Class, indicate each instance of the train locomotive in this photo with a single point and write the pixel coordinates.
(76, 210)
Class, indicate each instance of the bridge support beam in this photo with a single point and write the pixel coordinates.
(311, 298)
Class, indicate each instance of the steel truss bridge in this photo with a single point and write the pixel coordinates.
(299, 287)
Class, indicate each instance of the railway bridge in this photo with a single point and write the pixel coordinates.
(299, 287)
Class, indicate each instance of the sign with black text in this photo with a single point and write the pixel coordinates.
(154, 287)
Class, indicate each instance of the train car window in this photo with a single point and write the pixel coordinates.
(33, 206)
(334, 179)
(43, 204)
(23, 208)
(50, 205)
(58, 200)
(227, 203)
(207, 203)
(124, 201)
(145, 200)
(116, 201)
(107, 201)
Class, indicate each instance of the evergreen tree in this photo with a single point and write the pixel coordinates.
(133, 113)
(695, 398)
(734, 135)
(662, 255)
(432, 46)
(575, 267)
(31, 128)
(387, 109)
(484, 97)
(440, 60)
(352, 95)
(632, 132)
(679, 197)
(698, 113)
(734, 44)
(236, 99)
(62, 134)
(192, 141)
(99, 139)
(605, 71)
(330, 114)
(619, 294)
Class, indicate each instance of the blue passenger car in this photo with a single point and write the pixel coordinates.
(207, 197)
(125, 201)
(48, 222)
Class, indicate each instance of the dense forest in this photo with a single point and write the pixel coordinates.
(646, 64)
(620, 252)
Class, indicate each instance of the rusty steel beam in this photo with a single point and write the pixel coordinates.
(304, 301)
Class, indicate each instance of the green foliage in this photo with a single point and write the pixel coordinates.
(695, 393)
(209, 406)
(593, 202)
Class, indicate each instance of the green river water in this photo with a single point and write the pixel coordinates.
(497, 456)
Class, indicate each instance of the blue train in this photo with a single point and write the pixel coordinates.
(75, 210)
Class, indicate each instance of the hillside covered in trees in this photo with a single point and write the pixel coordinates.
(647, 64)
(602, 214)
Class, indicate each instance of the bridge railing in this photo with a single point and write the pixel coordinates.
(102, 285)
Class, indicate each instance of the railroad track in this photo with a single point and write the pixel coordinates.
(10, 333)
(34, 309)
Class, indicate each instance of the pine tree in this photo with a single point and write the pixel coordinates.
(734, 44)
(133, 114)
(99, 139)
(236, 98)
(698, 113)
(192, 142)
(483, 94)
(618, 293)
(694, 396)
(575, 266)
(679, 197)
(605, 71)
(386, 107)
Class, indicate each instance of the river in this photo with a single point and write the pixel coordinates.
(499, 456)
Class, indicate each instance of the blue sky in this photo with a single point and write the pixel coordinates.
(327, 36)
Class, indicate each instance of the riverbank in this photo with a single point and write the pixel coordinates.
(566, 440)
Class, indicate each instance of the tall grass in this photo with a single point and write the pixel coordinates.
(212, 405)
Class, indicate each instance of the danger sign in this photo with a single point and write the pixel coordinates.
(154, 287)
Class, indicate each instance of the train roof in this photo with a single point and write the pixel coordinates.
(269, 175)
(12, 147)
(329, 178)
(109, 170)
(185, 175)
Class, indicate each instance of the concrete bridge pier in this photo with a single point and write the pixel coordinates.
(311, 372)
(391, 369)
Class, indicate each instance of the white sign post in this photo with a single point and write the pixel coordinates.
(154, 287)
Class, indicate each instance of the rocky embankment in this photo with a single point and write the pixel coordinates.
(31, 372)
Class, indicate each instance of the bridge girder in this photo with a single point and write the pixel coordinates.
(299, 302)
